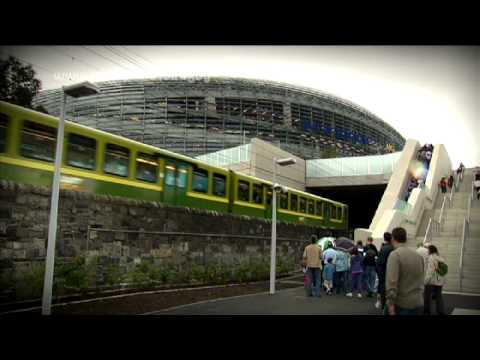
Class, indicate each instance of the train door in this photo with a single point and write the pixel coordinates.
(176, 179)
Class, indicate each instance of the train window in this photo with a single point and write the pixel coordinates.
(283, 201)
(219, 185)
(327, 210)
(170, 175)
(303, 204)
(319, 208)
(293, 202)
(38, 141)
(257, 194)
(200, 181)
(147, 168)
(3, 132)
(81, 151)
(339, 213)
(269, 197)
(182, 176)
(116, 160)
(243, 190)
(334, 212)
(311, 207)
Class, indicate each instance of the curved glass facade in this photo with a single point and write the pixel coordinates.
(195, 116)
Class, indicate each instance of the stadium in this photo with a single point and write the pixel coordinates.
(200, 115)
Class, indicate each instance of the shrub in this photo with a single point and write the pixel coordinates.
(30, 283)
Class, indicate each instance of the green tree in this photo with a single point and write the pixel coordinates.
(18, 84)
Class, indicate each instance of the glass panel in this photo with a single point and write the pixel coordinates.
(318, 209)
(182, 176)
(293, 202)
(116, 160)
(200, 181)
(81, 152)
(311, 207)
(334, 212)
(219, 184)
(283, 201)
(269, 197)
(327, 210)
(170, 175)
(147, 168)
(257, 194)
(38, 141)
(3, 132)
(303, 204)
(243, 190)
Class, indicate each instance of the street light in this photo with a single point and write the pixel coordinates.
(273, 245)
(75, 91)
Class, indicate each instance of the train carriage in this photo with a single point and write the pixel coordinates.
(103, 163)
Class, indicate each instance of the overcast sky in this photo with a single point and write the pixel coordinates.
(431, 94)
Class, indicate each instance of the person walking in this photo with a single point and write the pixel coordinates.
(443, 185)
(341, 272)
(405, 277)
(369, 263)
(434, 282)
(422, 250)
(383, 255)
(450, 182)
(328, 274)
(476, 184)
(356, 269)
(312, 260)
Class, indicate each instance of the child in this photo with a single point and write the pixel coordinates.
(329, 271)
(306, 282)
(357, 271)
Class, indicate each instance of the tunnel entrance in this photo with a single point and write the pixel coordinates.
(362, 201)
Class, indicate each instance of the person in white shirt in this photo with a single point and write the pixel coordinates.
(476, 184)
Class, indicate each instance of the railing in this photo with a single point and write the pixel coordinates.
(465, 235)
(428, 233)
(441, 217)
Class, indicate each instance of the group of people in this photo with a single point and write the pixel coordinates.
(425, 154)
(405, 281)
(476, 184)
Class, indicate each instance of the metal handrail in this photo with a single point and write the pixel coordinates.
(428, 232)
(462, 250)
(440, 219)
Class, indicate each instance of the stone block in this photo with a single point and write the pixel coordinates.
(6, 254)
(120, 236)
(20, 254)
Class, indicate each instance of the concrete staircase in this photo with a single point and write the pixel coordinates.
(449, 239)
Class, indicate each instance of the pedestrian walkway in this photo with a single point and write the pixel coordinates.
(294, 302)
(284, 302)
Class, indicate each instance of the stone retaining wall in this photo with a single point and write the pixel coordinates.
(86, 222)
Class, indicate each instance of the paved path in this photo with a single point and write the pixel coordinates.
(284, 302)
(294, 302)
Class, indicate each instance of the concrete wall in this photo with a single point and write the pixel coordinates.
(24, 213)
(398, 181)
(262, 163)
(386, 217)
(348, 180)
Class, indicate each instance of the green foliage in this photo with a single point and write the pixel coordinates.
(18, 84)
(113, 275)
(76, 274)
(29, 284)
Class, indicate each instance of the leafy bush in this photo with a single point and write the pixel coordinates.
(30, 283)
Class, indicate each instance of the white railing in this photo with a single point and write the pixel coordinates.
(428, 233)
(465, 234)
(441, 217)
(462, 249)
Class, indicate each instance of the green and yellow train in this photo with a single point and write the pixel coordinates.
(103, 163)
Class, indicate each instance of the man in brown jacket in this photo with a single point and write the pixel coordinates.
(312, 260)
(404, 278)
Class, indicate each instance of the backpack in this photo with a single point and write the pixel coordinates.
(442, 268)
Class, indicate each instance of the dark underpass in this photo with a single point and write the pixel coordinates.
(362, 201)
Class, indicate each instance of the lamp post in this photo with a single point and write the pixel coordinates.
(273, 245)
(75, 91)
